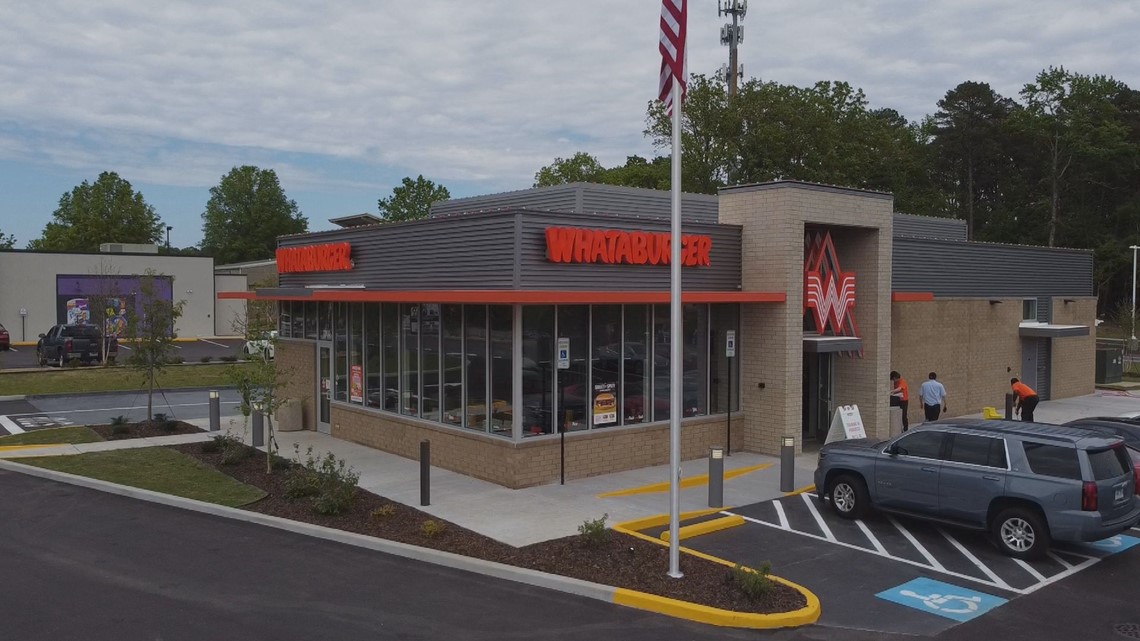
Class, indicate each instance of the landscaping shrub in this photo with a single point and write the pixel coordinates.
(205, 359)
(594, 533)
(235, 454)
(122, 429)
(159, 417)
(280, 462)
(755, 584)
(328, 480)
(221, 442)
(74, 363)
(118, 420)
(176, 360)
(431, 529)
(383, 512)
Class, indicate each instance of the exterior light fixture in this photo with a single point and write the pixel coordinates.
(213, 394)
(789, 441)
(718, 452)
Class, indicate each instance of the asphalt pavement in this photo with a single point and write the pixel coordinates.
(98, 409)
(192, 351)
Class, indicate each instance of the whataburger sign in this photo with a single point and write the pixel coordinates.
(330, 257)
(618, 247)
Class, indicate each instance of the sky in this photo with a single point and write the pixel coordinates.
(343, 99)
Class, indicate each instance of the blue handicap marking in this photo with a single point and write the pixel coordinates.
(1114, 544)
(943, 599)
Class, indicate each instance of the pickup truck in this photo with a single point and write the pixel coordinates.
(64, 342)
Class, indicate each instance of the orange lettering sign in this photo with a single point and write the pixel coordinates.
(616, 247)
(331, 257)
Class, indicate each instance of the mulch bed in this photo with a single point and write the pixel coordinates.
(145, 429)
(623, 561)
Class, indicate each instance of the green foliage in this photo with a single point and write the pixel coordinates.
(432, 529)
(755, 584)
(106, 211)
(159, 417)
(233, 454)
(383, 512)
(7, 241)
(205, 359)
(594, 532)
(411, 199)
(229, 358)
(579, 168)
(222, 442)
(74, 363)
(119, 420)
(150, 327)
(176, 360)
(121, 429)
(327, 481)
(246, 213)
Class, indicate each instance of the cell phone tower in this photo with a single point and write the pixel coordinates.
(732, 35)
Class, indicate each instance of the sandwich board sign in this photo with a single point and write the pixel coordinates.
(846, 424)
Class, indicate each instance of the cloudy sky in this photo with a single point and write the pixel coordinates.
(344, 98)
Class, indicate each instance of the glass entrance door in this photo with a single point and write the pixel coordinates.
(818, 388)
(324, 387)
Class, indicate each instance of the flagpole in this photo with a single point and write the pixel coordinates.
(675, 396)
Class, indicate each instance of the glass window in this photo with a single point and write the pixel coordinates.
(373, 389)
(722, 319)
(538, 369)
(390, 337)
(1109, 464)
(1029, 309)
(573, 383)
(356, 353)
(661, 356)
(311, 321)
(978, 450)
(285, 319)
(325, 314)
(605, 381)
(410, 360)
(452, 316)
(475, 345)
(502, 373)
(1051, 460)
(429, 371)
(298, 319)
(339, 320)
(695, 359)
(637, 392)
(924, 444)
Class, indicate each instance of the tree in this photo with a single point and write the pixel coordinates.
(7, 241)
(150, 329)
(579, 168)
(245, 214)
(411, 199)
(107, 305)
(260, 381)
(106, 211)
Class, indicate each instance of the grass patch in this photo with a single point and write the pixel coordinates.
(113, 379)
(78, 434)
(158, 469)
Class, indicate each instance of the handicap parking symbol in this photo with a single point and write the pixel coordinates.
(943, 599)
(1114, 544)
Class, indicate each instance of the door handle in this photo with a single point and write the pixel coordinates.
(929, 469)
(991, 477)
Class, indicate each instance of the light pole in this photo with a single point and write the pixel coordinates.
(1132, 319)
(168, 228)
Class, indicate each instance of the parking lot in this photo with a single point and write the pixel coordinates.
(98, 409)
(192, 351)
(891, 574)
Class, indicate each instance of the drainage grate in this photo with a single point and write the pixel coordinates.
(1128, 630)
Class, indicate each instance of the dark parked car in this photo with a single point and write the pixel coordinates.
(64, 342)
(1026, 483)
(5, 339)
(1127, 429)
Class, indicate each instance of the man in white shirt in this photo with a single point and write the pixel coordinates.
(933, 396)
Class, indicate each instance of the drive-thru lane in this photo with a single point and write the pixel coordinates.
(98, 409)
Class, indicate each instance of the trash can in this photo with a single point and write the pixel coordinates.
(1109, 366)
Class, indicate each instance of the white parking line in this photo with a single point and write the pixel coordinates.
(1030, 569)
(13, 349)
(213, 343)
(121, 346)
(780, 514)
(1065, 564)
(913, 541)
(818, 518)
(871, 537)
(975, 560)
(10, 425)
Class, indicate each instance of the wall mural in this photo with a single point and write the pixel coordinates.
(76, 295)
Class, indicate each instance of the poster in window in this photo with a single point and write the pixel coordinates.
(356, 384)
(605, 403)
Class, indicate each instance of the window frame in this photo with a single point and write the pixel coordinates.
(941, 449)
(950, 451)
(1026, 318)
(1029, 463)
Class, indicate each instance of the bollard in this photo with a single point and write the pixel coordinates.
(425, 475)
(258, 427)
(1008, 406)
(788, 464)
(215, 411)
(716, 477)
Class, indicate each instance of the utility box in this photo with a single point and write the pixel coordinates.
(1109, 366)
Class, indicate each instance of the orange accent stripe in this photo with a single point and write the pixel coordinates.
(510, 296)
(911, 297)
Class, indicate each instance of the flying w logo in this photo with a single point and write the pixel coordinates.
(829, 292)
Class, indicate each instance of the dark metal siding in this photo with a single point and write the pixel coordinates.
(588, 198)
(949, 268)
(559, 198)
(929, 227)
(1044, 367)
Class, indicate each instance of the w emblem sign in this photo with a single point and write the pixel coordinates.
(829, 292)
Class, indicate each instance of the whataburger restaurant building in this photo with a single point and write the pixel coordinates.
(503, 320)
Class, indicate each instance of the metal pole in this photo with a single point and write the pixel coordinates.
(728, 440)
(716, 477)
(788, 464)
(1008, 406)
(675, 397)
(258, 427)
(1132, 321)
(562, 436)
(215, 412)
(425, 472)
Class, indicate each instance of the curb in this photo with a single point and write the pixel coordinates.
(219, 388)
(618, 596)
(707, 527)
(16, 397)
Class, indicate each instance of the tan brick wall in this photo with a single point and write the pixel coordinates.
(297, 360)
(1073, 359)
(973, 346)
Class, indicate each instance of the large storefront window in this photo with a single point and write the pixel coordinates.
(475, 345)
(356, 353)
(285, 319)
(724, 318)
(661, 359)
(390, 337)
(502, 374)
(538, 370)
(573, 382)
(339, 313)
(452, 316)
(429, 373)
(373, 389)
(311, 321)
(637, 392)
(606, 361)
(695, 359)
(410, 360)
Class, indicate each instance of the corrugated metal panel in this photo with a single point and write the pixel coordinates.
(587, 198)
(949, 268)
(468, 252)
(1044, 367)
(557, 198)
(929, 227)
(537, 272)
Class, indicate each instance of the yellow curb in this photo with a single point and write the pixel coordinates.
(662, 519)
(801, 490)
(692, 481)
(697, 529)
(17, 448)
(714, 616)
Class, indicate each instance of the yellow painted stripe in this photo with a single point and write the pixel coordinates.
(663, 519)
(801, 490)
(17, 448)
(692, 481)
(697, 529)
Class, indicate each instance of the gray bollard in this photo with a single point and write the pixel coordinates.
(258, 427)
(1008, 406)
(215, 411)
(716, 477)
(425, 472)
(788, 464)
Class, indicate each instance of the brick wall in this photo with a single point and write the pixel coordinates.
(1074, 357)
(296, 359)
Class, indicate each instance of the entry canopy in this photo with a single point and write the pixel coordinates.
(1049, 330)
(816, 344)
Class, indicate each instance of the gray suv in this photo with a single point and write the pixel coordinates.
(1026, 483)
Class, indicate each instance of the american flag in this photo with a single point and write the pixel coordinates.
(673, 20)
